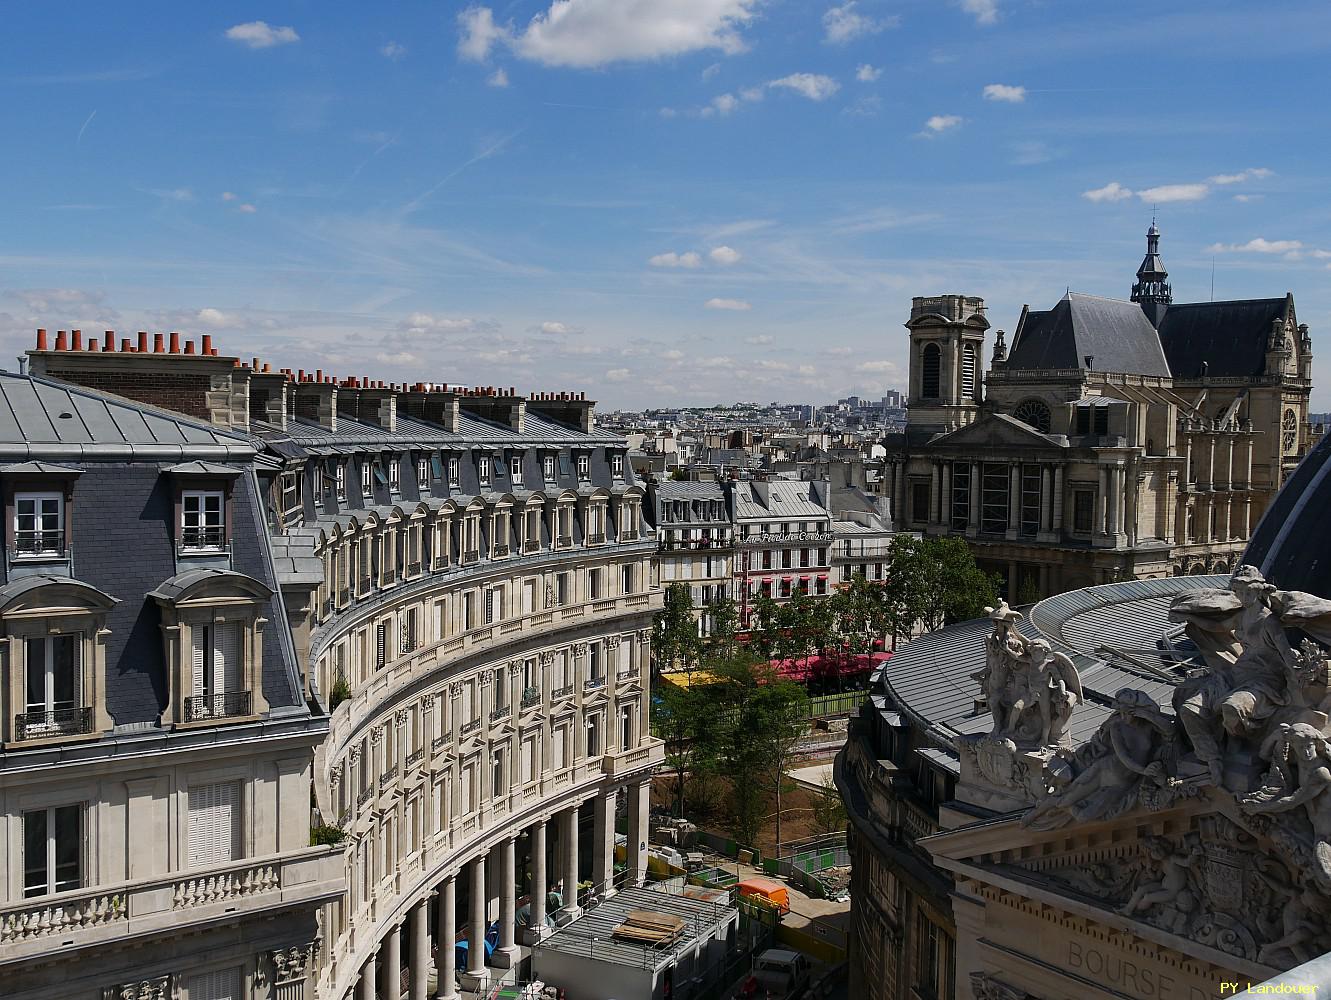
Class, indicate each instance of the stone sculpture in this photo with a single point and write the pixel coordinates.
(1030, 690)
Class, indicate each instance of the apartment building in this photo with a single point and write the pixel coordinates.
(695, 540)
(429, 607)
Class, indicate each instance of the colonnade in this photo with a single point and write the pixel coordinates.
(381, 973)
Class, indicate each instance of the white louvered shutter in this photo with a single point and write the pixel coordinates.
(214, 823)
(200, 634)
(226, 658)
(223, 984)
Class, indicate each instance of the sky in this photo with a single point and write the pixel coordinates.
(657, 202)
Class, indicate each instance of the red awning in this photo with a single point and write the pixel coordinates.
(785, 578)
(822, 576)
(805, 576)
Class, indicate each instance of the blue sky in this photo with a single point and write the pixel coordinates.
(657, 201)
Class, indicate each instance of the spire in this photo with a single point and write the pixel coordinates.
(1151, 289)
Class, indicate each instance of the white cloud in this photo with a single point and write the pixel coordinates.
(213, 317)
(672, 259)
(1248, 197)
(845, 23)
(246, 208)
(877, 367)
(867, 73)
(1251, 174)
(592, 33)
(669, 113)
(725, 256)
(499, 78)
(556, 329)
(392, 50)
(1257, 245)
(725, 104)
(1004, 92)
(399, 358)
(422, 322)
(984, 11)
(173, 194)
(939, 124)
(1113, 191)
(759, 340)
(734, 305)
(228, 196)
(709, 72)
(261, 34)
(1166, 193)
(618, 375)
(814, 86)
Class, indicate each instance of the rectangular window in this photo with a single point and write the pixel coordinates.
(39, 524)
(408, 630)
(380, 645)
(483, 470)
(223, 984)
(626, 573)
(559, 748)
(1102, 420)
(626, 736)
(584, 467)
(595, 662)
(531, 757)
(394, 474)
(291, 492)
(366, 477)
(594, 584)
(961, 495)
(561, 590)
(340, 480)
(1031, 488)
(1083, 420)
(498, 780)
(1083, 510)
(53, 699)
(995, 481)
(515, 469)
(594, 736)
(454, 471)
(214, 824)
(423, 470)
(548, 468)
(217, 688)
(617, 466)
(919, 503)
(52, 850)
(470, 793)
(202, 520)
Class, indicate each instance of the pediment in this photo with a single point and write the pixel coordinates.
(998, 430)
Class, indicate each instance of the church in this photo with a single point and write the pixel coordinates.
(1111, 440)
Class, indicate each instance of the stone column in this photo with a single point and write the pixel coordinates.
(975, 499)
(1210, 461)
(603, 846)
(445, 941)
(568, 842)
(1247, 465)
(1247, 517)
(420, 949)
(390, 975)
(1101, 500)
(1115, 498)
(1058, 500)
(899, 493)
(636, 848)
(1187, 462)
(476, 971)
(1014, 500)
(1229, 461)
(366, 989)
(506, 954)
(539, 886)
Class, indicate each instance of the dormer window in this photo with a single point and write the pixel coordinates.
(483, 470)
(454, 471)
(291, 498)
(584, 467)
(217, 689)
(515, 469)
(203, 520)
(423, 470)
(366, 477)
(39, 524)
(340, 480)
(548, 468)
(394, 474)
(617, 466)
(53, 701)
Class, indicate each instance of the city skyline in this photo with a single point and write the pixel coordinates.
(570, 197)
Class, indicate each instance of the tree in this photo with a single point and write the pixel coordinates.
(682, 718)
(829, 811)
(934, 582)
(675, 630)
(725, 623)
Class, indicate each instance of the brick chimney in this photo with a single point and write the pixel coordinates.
(198, 385)
(317, 402)
(432, 406)
(370, 402)
(494, 404)
(572, 409)
(268, 396)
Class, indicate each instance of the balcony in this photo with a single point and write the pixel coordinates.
(531, 696)
(592, 683)
(563, 692)
(649, 753)
(470, 727)
(438, 744)
(227, 705)
(531, 545)
(564, 541)
(414, 760)
(387, 778)
(205, 539)
(499, 714)
(60, 722)
(625, 674)
(166, 904)
(500, 551)
(365, 796)
(596, 539)
(471, 555)
(39, 544)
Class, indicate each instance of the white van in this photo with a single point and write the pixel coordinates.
(779, 974)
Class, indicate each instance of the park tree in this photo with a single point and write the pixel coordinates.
(675, 630)
(829, 811)
(682, 718)
(932, 582)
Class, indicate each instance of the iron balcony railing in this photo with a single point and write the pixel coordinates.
(387, 778)
(563, 692)
(39, 543)
(228, 704)
(500, 713)
(365, 796)
(531, 545)
(500, 550)
(596, 539)
(531, 696)
(59, 722)
(207, 537)
(470, 727)
(414, 759)
(592, 683)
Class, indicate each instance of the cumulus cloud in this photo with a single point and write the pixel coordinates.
(1257, 245)
(845, 23)
(877, 367)
(939, 124)
(733, 305)
(725, 256)
(867, 73)
(556, 329)
(759, 340)
(1174, 192)
(672, 259)
(984, 11)
(261, 34)
(618, 375)
(1251, 174)
(213, 317)
(228, 196)
(1113, 191)
(392, 50)
(724, 104)
(1004, 92)
(814, 86)
(498, 78)
(246, 208)
(593, 33)
(423, 322)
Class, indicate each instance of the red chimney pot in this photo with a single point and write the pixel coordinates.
(175, 342)
(60, 340)
(159, 343)
(76, 340)
(143, 341)
(94, 345)
(41, 340)
(124, 345)
(189, 347)
(110, 344)
(207, 347)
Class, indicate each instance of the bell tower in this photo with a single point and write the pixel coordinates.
(946, 351)
(1151, 290)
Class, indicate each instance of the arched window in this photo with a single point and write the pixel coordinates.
(930, 371)
(1289, 431)
(1034, 413)
(968, 372)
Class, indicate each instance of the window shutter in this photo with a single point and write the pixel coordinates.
(380, 641)
(200, 636)
(228, 673)
(214, 823)
(223, 984)
(489, 606)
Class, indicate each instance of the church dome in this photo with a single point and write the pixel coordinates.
(1292, 544)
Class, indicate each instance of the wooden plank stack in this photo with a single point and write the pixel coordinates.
(647, 927)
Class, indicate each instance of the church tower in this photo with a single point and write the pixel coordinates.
(1151, 290)
(946, 351)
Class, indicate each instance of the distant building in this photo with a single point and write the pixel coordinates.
(695, 540)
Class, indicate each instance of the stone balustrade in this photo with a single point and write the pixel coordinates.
(647, 754)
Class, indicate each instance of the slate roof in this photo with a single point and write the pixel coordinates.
(355, 435)
(1292, 546)
(791, 499)
(1229, 336)
(1114, 332)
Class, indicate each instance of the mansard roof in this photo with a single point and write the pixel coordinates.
(1229, 337)
(1114, 333)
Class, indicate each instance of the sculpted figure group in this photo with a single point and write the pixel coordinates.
(1030, 689)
